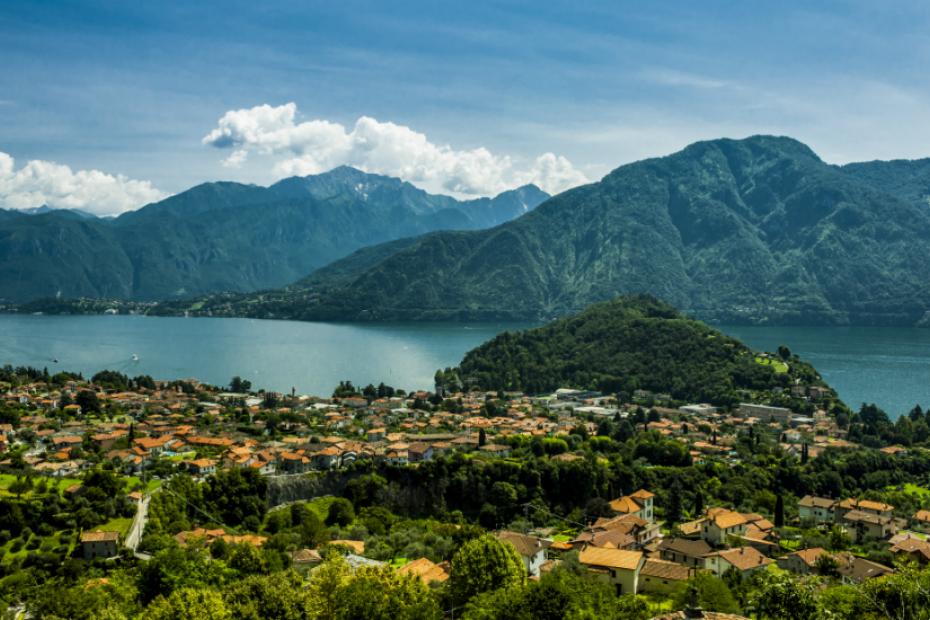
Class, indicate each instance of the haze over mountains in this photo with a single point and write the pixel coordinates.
(758, 230)
(228, 236)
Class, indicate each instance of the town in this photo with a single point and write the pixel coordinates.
(646, 541)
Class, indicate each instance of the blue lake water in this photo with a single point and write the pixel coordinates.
(886, 365)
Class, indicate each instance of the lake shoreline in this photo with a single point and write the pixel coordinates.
(886, 365)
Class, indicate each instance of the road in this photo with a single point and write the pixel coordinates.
(138, 524)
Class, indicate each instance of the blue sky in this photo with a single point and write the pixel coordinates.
(132, 89)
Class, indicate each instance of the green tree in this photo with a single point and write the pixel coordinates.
(780, 597)
(340, 512)
(88, 401)
(281, 596)
(239, 385)
(698, 503)
(673, 508)
(380, 593)
(712, 594)
(189, 604)
(484, 564)
(779, 511)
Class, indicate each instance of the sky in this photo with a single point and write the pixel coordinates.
(107, 106)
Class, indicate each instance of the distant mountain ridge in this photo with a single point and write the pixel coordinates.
(228, 236)
(755, 230)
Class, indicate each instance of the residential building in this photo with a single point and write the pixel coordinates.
(684, 551)
(661, 576)
(639, 504)
(816, 509)
(99, 544)
(531, 549)
(616, 566)
(746, 560)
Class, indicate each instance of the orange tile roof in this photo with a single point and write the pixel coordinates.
(426, 570)
(611, 558)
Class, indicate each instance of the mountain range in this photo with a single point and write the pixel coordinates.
(755, 230)
(228, 236)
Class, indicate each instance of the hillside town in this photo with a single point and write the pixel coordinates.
(152, 432)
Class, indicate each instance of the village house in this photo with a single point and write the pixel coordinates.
(684, 551)
(638, 504)
(662, 576)
(99, 544)
(867, 525)
(721, 523)
(746, 560)
(911, 547)
(531, 549)
(816, 509)
(201, 467)
(616, 566)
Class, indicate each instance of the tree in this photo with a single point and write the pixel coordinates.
(712, 594)
(482, 437)
(779, 511)
(340, 512)
(827, 566)
(780, 597)
(380, 593)
(673, 509)
(784, 352)
(698, 503)
(189, 604)
(279, 595)
(484, 564)
(239, 385)
(805, 453)
(88, 401)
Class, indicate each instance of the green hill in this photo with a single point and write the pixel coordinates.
(623, 345)
(754, 230)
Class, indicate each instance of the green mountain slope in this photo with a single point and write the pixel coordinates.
(623, 345)
(757, 230)
(906, 179)
(228, 236)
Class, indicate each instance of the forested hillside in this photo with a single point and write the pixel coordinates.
(625, 345)
(228, 236)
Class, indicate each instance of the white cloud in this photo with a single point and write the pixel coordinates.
(315, 146)
(40, 183)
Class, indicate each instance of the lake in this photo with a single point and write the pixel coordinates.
(886, 365)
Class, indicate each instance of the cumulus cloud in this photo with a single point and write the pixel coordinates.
(314, 146)
(40, 183)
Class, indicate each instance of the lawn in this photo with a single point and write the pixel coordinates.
(922, 493)
(320, 506)
(120, 525)
(779, 366)
(60, 483)
(790, 545)
(135, 483)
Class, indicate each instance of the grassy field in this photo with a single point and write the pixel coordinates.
(922, 493)
(120, 525)
(135, 483)
(779, 366)
(60, 483)
(320, 506)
